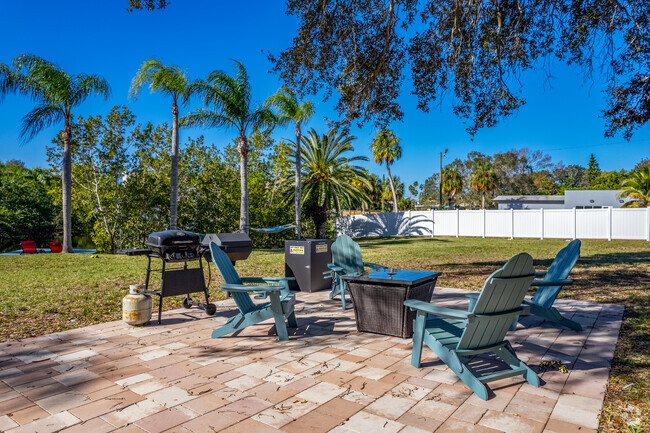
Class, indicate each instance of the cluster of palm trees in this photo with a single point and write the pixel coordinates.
(227, 103)
(483, 179)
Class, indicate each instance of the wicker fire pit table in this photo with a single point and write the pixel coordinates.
(379, 296)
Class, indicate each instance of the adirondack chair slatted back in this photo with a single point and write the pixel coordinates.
(559, 270)
(230, 276)
(502, 293)
(346, 253)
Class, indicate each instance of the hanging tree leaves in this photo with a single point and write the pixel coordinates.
(475, 49)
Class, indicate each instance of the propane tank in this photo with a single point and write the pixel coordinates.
(136, 306)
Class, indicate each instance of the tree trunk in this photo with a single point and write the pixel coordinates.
(298, 192)
(483, 200)
(66, 187)
(320, 218)
(242, 147)
(451, 202)
(173, 184)
(392, 188)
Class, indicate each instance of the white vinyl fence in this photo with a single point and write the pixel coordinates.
(606, 223)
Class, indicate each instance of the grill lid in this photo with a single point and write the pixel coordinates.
(173, 238)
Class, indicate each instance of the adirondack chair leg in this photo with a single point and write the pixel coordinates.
(233, 324)
(513, 326)
(418, 338)
(459, 368)
(553, 315)
(278, 316)
(472, 382)
(343, 291)
(291, 320)
(507, 353)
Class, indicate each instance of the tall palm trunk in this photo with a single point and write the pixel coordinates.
(483, 200)
(66, 186)
(173, 184)
(242, 147)
(392, 188)
(298, 192)
(451, 202)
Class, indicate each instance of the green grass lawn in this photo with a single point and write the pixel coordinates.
(46, 293)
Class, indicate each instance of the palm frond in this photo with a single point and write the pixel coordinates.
(43, 116)
(205, 118)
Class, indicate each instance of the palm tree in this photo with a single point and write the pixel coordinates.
(327, 176)
(56, 92)
(452, 183)
(637, 188)
(169, 80)
(230, 98)
(385, 148)
(291, 110)
(483, 179)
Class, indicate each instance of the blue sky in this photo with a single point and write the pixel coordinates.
(562, 117)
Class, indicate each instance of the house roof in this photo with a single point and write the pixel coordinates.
(546, 198)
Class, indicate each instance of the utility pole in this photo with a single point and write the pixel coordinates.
(440, 179)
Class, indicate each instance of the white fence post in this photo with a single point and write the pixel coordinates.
(457, 222)
(512, 223)
(609, 223)
(575, 228)
(409, 224)
(647, 224)
(433, 222)
(484, 223)
(541, 225)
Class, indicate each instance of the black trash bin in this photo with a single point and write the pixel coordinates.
(307, 260)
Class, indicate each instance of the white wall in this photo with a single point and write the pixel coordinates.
(604, 223)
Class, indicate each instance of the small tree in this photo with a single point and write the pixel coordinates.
(385, 148)
(56, 93)
(637, 188)
(327, 176)
(452, 183)
(292, 111)
(230, 99)
(483, 179)
(169, 80)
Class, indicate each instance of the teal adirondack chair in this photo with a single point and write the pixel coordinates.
(279, 308)
(454, 334)
(552, 281)
(346, 260)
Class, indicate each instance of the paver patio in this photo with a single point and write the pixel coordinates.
(173, 377)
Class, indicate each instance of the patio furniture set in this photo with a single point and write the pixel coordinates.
(397, 302)
(29, 247)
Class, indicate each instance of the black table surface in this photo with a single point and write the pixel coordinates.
(393, 276)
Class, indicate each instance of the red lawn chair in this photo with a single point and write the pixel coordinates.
(29, 247)
(55, 247)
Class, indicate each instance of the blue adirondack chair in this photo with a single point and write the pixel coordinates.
(454, 334)
(279, 308)
(552, 281)
(549, 286)
(346, 260)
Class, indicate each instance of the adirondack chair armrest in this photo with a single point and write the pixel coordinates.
(374, 266)
(545, 283)
(414, 305)
(334, 267)
(256, 289)
(266, 280)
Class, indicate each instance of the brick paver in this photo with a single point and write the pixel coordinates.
(328, 377)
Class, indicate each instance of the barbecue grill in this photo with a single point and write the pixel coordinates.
(174, 247)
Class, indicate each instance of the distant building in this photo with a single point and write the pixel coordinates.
(579, 199)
